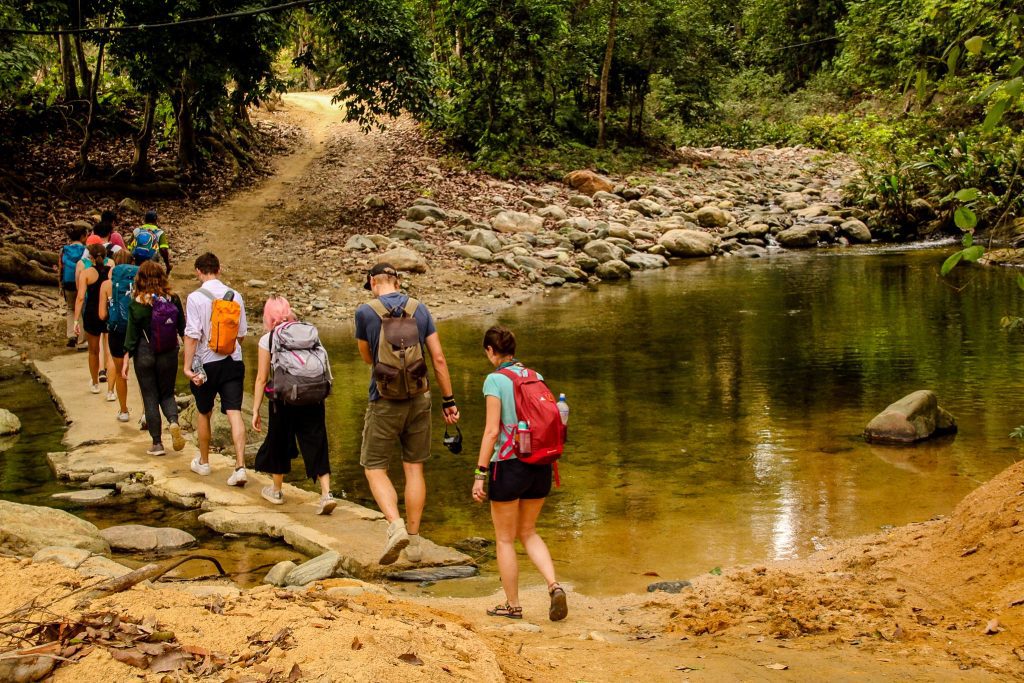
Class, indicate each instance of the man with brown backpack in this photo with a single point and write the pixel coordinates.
(394, 333)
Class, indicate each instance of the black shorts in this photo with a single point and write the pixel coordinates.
(224, 377)
(513, 479)
(116, 341)
(93, 325)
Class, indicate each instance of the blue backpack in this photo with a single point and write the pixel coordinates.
(147, 244)
(122, 283)
(70, 255)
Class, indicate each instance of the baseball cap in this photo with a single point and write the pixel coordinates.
(93, 239)
(379, 269)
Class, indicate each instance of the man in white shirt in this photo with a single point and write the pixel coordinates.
(210, 373)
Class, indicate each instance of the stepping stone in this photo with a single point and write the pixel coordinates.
(461, 571)
(139, 538)
(86, 497)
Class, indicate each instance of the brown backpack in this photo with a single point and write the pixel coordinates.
(400, 371)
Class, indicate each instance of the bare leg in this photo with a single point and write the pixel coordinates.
(121, 384)
(94, 357)
(108, 363)
(529, 510)
(506, 523)
(278, 481)
(325, 484)
(204, 437)
(415, 495)
(383, 492)
(238, 436)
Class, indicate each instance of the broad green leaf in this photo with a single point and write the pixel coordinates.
(1020, 281)
(973, 253)
(968, 239)
(1017, 66)
(991, 88)
(964, 218)
(974, 44)
(950, 263)
(952, 58)
(994, 116)
(1013, 88)
(968, 194)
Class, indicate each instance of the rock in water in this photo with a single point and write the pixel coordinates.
(646, 261)
(320, 567)
(804, 236)
(613, 270)
(139, 538)
(688, 243)
(405, 259)
(26, 529)
(86, 496)
(603, 251)
(588, 182)
(279, 573)
(914, 417)
(9, 423)
(668, 586)
(855, 231)
(435, 573)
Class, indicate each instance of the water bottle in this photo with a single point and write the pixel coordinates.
(563, 409)
(524, 439)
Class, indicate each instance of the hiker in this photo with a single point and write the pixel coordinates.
(398, 414)
(516, 490)
(294, 375)
(105, 229)
(155, 322)
(70, 254)
(87, 307)
(214, 329)
(115, 297)
(149, 242)
(107, 372)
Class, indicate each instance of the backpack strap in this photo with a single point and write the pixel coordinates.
(207, 293)
(379, 308)
(410, 307)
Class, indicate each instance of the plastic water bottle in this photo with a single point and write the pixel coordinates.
(563, 409)
(524, 439)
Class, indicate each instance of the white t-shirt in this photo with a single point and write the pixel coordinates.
(264, 342)
(198, 309)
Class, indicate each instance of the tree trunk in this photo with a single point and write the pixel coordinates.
(188, 151)
(67, 68)
(83, 151)
(140, 161)
(83, 65)
(606, 69)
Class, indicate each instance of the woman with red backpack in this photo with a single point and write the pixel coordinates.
(516, 489)
(155, 323)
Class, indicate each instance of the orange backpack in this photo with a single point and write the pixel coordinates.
(224, 322)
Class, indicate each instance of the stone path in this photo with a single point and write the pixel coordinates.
(105, 452)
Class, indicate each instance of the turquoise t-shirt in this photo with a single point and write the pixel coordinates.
(501, 386)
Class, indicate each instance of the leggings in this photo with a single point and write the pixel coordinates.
(156, 374)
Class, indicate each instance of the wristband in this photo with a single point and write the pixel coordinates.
(449, 397)
(447, 402)
(480, 471)
(480, 477)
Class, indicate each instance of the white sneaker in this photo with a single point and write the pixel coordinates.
(111, 396)
(177, 440)
(413, 551)
(398, 538)
(94, 388)
(156, 449)
(275, 497)
(327, 505)
(238, 478)
(200, 468)
(123, 417)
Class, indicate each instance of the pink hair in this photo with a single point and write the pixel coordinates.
(276, 311)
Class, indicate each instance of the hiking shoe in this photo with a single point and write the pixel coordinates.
(123, 417)
(275, 497)
(111, 396)
(199, 467)
(238, 478)
(559, 609)
(72, 342)
(413, 551)
(397, 540)
(507, 611)
(177, 440)
(326, 505)
(156, 449)
(94, 388)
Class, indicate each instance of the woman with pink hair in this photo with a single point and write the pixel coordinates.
(291, 428)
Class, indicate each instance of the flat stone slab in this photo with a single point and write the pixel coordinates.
(86, 497)
(138, 538)
(27, 529)
(434, 574)
(99, 566)
(65, 556)
(322, 567)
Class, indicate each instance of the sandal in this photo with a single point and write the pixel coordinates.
(507, 611)
(559, 609)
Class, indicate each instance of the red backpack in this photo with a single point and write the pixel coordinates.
(535, 405)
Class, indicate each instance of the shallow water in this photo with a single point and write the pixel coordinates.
(716, 412)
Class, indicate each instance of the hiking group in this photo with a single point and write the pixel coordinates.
(123, 301)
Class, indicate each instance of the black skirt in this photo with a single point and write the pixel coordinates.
(291, 430)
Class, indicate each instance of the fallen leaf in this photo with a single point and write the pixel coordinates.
(776, 666)
(131, 656)
(154, 649)
(169, 661)
(411, 658)
(295, 674)
(356, 645)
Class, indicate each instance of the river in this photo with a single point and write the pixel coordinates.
(717, 409)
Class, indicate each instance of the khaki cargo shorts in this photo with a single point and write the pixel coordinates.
(393, 425)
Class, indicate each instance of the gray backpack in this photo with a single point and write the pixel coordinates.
(298, 362)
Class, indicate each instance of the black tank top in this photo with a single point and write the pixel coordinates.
(92, 293)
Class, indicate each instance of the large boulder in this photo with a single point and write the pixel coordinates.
(517, 221)
(484, 238)
(603, 251)
(405, 259)
(804, 236)
(138, 538)
(613, 270)
(914, 417)
(588, 182)
(27, 529)
(713, 217)
(9, 423)
(688, 243)
(855, 231)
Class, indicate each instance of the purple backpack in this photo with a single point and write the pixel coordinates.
(163, 326)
